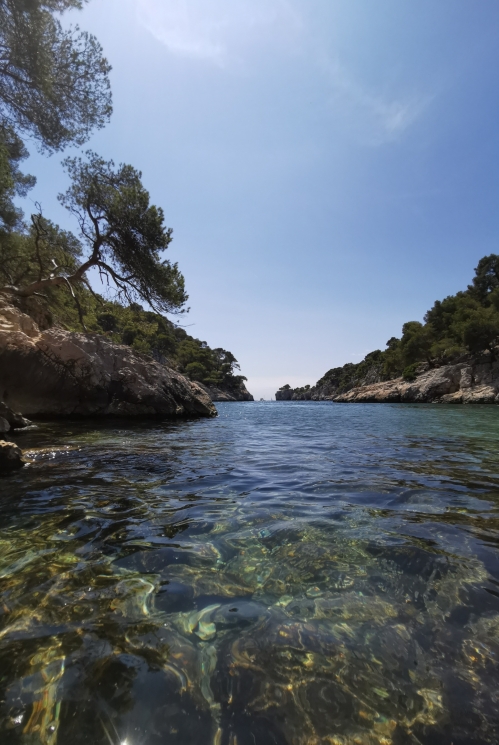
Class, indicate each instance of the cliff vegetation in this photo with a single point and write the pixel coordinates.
(54, 92)
(458, 328)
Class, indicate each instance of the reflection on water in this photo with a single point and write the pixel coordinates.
(290, 574)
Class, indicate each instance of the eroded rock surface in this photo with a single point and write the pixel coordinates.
(11, 457)
(474, 381)
(61, 373)
(234, 394)
(465, 383)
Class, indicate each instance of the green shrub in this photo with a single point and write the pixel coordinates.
(410, 373)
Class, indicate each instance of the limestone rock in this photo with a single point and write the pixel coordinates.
(475, 383)
(482, 394)
(389, 392)
(60, 373)
(227, 394)
(472, 381)
(11, 457)
(4, 426)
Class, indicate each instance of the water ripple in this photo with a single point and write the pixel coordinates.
(299, 574)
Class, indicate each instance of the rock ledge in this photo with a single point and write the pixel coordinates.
(472, 381)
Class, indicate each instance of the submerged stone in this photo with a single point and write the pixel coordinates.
(206, 631)
(11, 457)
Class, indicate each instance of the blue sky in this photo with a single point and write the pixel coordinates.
(329, 168)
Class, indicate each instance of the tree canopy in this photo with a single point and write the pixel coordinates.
(13, 183)
(54, 82)
(122, 235)
(486, 278)
(54, 89)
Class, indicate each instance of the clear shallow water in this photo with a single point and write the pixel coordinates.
(290, 574)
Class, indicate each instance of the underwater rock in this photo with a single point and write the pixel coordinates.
(60, 373)
(11, 457)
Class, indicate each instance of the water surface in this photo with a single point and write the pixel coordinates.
(289, 574)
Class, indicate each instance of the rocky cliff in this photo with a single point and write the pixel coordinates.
(240, 393)
(473, 380)
(61, 373)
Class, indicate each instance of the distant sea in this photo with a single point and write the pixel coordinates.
(289, 573)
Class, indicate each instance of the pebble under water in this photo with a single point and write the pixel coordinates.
(287, 574)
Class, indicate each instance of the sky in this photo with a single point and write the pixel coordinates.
(330, 168)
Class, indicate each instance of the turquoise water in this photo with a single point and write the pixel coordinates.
(290, 574)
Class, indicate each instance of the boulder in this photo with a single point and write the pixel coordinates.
(55, 373)
(4, 426)
(15, 420)
(11, 457)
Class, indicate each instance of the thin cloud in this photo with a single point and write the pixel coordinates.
(375, 118)
(220, 32)
(214, 31)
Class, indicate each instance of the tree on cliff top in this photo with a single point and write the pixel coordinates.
(54, 83)
(122, 233)
(486, 278)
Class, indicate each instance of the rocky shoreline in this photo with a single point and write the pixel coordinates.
(11, 456)
(57, 373)
(232, 395)
(473, 380)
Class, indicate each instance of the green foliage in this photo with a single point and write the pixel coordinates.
(467, 322)
(54, 82)
(416, 342)
(410, 372)
(148, 333)
(54, 87)
(124, 234)
(486, 278)
(12, 182)
(40, 251)
(480, 330)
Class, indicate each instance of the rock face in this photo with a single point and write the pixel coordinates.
(286, 395)
(233, 394)
(60, 373)
(473, 381)
(11, 457)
